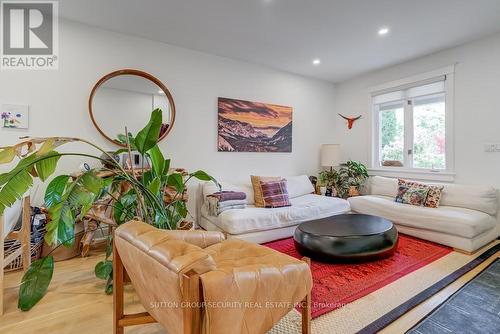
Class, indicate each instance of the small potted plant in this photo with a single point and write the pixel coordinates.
(328, 179)
(353, 176)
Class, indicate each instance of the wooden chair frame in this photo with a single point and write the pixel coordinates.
(192, 292)
(23, 236)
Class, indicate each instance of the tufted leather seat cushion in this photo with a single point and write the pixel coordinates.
(247, 287)
(171, 248)
(259, 284)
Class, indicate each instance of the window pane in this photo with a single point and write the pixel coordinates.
(392, 135)
(429, 132)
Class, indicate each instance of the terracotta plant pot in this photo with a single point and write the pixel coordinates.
(62, 253)
(353, 191)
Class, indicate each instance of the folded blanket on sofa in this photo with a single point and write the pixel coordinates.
(221, 210)
(224, 196)
(216, 207)
(233, 202)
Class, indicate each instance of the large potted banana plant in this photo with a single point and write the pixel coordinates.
(70, 198)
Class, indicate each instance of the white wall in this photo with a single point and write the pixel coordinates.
(476, 112)
(58, 101)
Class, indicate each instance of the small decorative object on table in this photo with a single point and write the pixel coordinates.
(322, 190)
(392, 163)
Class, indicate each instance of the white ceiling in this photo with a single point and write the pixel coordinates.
(289, 34)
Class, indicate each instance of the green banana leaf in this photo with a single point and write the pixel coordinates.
(175, 180)
(7, 155)
(55, 189)
(157, 160)
(47, 166)
(148, 136)
(35, 282)
(78, 196)
(15, 183)
(155, 185)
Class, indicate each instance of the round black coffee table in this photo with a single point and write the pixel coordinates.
(347, 237)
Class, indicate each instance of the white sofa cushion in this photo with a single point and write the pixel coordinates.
(383, 186)
(483, 199)
(252, 219)
(299, 185)
(462, 222)
(476, 198)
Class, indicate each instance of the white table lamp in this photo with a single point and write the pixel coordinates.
(330, 155)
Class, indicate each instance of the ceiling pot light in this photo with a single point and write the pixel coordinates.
(161, 92)
(383, 31)
(316, 62)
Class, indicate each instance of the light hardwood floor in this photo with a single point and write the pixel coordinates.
(77, 304)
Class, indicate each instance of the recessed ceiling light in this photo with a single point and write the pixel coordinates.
(316, 62)
(161, 92)
(383, 31)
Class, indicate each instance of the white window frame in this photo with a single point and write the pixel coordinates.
(446, 175)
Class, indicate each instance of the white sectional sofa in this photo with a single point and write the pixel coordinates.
(267, 224)
(466, 218)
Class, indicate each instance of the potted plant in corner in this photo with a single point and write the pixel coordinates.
(350, 178)
(69, 199)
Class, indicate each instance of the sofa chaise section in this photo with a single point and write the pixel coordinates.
(466, 218)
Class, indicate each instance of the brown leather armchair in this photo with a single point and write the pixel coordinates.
(197, 282)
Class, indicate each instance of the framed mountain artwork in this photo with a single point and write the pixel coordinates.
(246, 126)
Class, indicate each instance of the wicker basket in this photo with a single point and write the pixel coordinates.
(11, 245)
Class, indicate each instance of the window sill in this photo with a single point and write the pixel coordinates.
(425, 175)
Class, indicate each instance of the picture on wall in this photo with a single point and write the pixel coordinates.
(246, 126)
(14, 116)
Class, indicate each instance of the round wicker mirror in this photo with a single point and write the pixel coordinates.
(125, 98)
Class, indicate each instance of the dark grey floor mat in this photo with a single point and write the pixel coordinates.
(475, 308)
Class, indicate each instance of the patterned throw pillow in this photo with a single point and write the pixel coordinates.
(434, 194)
(275, 194)
(434, 197)
(401, 191)
(257, 190)
(415, 196)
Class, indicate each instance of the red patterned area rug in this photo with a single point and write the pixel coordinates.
(337, 284)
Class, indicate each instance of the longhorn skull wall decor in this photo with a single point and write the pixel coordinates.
(350, 120)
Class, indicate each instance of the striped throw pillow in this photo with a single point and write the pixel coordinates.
(257, 190)
(275, 194)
